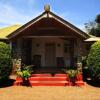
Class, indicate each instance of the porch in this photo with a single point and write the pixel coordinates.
(47, 52)
(48, 43)
(50, 70)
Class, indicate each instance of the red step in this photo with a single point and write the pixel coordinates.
(60, 75)
(41, 75)
(48, 75)
(49, 83)
(47, 78)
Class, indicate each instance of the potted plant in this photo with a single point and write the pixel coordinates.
(24, 74)
(79, 76)
(72, 75)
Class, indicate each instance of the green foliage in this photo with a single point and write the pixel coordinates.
(72, 73)
(93, 60)
(24, 73)
(90, 26)
(97, 18)
(93, 27)
(5, 64)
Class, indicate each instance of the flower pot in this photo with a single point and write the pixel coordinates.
(18, 81)
(26, 82)
(79, 80)
(79, 77)
(72, 81)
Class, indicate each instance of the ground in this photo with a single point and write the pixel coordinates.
(86, 92)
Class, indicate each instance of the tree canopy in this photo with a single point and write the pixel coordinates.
(93, 27)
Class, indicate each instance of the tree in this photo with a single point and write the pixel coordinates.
(90, 27)
(5, 64)
(93, 60)
(98, 19)
(93, 27)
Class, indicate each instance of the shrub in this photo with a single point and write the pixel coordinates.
(93, 60)
(5, 64)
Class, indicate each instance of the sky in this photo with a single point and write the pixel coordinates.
(77, 12)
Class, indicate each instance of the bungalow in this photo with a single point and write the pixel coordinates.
(48, 41)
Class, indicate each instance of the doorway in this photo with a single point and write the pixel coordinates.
(50, 55)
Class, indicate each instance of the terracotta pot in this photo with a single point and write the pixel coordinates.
(79, 80)
(19, 79)
(72, 81)
(79, 77)
(26, 82)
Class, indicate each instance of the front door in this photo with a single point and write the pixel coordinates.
(50, 55)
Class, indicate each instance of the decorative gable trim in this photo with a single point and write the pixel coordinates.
(50, 15)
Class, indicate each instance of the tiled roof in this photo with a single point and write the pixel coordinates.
(7, 31)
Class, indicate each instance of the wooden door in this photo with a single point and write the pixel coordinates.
(50, 55)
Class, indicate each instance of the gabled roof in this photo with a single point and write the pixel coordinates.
(47, 14)
(4, 32)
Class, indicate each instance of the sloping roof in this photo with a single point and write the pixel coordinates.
(46, 15)
(92, 39)
(4, 32)
(79, 31)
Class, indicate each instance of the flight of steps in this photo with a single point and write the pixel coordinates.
(48, 80)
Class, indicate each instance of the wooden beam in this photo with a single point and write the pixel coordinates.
(64, 37)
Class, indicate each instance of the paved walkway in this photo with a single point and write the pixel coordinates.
(86, 92)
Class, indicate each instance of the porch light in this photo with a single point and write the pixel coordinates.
(47, 8)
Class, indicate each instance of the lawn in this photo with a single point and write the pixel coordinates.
(86, 92)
